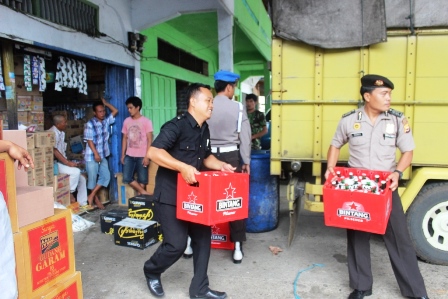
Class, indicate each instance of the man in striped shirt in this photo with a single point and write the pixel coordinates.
(96, 134)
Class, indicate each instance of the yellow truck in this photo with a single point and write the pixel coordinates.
(313, 87)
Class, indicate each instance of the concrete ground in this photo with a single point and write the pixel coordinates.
(112, 272)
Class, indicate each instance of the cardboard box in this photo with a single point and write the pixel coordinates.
(71, 288)
(142, 207)
(61, 182)
(20, 265)
(34, 204)
(135, 233)
(30, 141)
(221, 236)
(36, 117)
(47, 249)
(19, 138)
(103, 195)
(63, 198)
(8, 189)
(38, 103)
(38, 158)
(24, 102)
(355, 209)
(37, 177)
(23, 117)
(124, 191)
(44, 139)
(217, 197)
(152, 171)
(109, 218)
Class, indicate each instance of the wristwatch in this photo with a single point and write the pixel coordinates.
(400, 174)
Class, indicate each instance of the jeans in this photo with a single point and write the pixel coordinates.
(132, 165)
(98, 173)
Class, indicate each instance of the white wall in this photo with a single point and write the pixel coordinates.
(115, 22)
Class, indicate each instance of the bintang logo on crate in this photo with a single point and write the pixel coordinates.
(216, 236)
(230, 203)
(191, 206)
(353, 211)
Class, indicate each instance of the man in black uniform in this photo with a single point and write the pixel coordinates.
(183, 145)
(373, 133)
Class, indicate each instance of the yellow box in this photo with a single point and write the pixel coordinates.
(47, 249)
(44, 139)
(36, 117)
(20, 264)
(24, 102)
(124, 191)
(23, 117)
(71, 288)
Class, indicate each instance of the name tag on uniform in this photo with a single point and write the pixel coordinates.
(388, 135)
(356, 134)
(208, 141)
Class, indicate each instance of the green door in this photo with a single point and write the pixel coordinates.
(159, 99)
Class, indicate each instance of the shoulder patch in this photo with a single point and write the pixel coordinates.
(348, 113)
(395, 112)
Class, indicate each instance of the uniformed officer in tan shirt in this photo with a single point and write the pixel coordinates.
(373, 133)
(230, 139)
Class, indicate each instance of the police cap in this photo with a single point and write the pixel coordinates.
(376, 81)
(226, 76)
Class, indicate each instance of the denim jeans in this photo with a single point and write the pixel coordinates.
(133, 165)
(98, 173)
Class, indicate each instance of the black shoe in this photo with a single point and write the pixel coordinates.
(187, 256)
(211, 294)
(357, 294)
(155, 287)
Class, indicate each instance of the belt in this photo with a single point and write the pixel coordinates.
(224, 149)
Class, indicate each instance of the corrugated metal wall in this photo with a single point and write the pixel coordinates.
(119, 87)
(159, 99)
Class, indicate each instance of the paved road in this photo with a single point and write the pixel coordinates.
(112, 272)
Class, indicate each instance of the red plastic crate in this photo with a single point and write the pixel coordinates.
(221, 236)
(357, 210)
(218, 197)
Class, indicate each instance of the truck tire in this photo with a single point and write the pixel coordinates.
(427, 221)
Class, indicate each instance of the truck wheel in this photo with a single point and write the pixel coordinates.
(427, 221)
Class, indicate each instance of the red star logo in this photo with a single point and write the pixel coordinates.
(230, 191)
(192, 197)
(353, 206)
(215, 230)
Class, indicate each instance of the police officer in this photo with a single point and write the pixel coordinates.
(373, 133)
(183, 145)
(230, 136)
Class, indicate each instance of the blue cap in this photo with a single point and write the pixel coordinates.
(226, 76)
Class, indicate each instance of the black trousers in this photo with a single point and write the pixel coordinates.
(401, 254)
(175, 234)
(237, 227)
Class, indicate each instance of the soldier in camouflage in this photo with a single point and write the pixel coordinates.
(257, 121)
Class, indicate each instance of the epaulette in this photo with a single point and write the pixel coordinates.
(348, 113)
(181, 116)
(395, 112)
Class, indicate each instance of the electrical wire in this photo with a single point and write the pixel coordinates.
(296, 296)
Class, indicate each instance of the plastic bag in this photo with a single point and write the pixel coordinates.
(78, 223)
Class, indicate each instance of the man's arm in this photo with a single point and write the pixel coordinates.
(113, 110)
(95, 152)
(403, 163)
(146, 158)
(62, 159)
(261, 133)
(245, 139)
(124, 146)
(17, 153)
(332, 159)
(164, 159)
(211, 162)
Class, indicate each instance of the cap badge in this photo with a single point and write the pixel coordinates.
(378, 83)
(357, 126)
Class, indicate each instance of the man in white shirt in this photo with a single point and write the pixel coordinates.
(77, 181)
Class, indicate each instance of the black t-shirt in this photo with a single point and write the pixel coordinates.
(186, 141)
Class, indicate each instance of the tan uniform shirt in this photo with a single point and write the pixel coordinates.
(373, 146)
(224, 126)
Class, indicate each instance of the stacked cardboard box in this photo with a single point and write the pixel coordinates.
(61, 187)
(124, 191)
(43, 239)
(42, 153)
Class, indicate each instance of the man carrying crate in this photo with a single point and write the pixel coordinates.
(373, 133)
